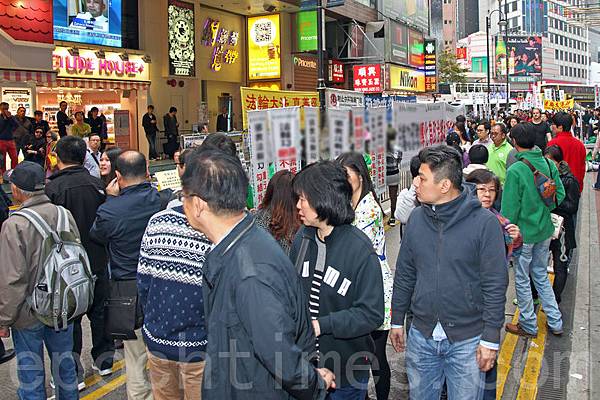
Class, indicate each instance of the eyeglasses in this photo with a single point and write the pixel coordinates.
(485, 190)
(182, 196)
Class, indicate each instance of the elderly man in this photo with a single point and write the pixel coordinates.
(499, 152)
(259, 329)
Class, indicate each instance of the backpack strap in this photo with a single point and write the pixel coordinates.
(39, 223)
(301, 254)
(63, 220)
(530, 165)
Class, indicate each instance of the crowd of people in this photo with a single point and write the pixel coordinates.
(296, 298)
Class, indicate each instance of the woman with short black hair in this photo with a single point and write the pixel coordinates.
(337, 265)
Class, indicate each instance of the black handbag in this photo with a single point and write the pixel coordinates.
(122, 310)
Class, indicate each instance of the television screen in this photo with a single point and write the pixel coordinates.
(88, 21)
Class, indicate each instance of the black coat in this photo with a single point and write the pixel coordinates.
(79, 192)
(30, 142)
(254, 306)
(569, 207)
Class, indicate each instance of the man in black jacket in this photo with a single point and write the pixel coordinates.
(259, 332)
(62, 119)
(171, 132)
(452, 274)
(75, 189)
(150, 125)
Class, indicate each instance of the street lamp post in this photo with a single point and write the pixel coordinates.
(488, 25)
(321, 61)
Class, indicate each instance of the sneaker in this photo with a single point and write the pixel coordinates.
(392, 222)
(102, 372)
(595, 188)
(556, 332)
(7, 356)
(80, 385)
(516, 329)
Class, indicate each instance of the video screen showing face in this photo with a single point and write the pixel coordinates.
(88, 21)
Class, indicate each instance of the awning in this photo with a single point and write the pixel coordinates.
(101, 84)
(38, 77)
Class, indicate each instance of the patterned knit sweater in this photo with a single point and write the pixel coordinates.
(170, 287)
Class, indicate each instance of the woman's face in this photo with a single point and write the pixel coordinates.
(307, 214)
(513, 122)
(487, 194)
(79, 117)
(104, 165)
(39, 133)
(355, 180)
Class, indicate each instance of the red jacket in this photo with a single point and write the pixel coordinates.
(574, 154)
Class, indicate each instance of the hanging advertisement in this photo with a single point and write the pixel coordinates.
(413, 12)
(88, 21)
(258, 133)
(500, 62)
(313, 132)
(336, 71)
(264, 48)
(398, 43)
(263, 99)
(18, 97)
(339, 132)
(559, 105)
(337, 98)
(421, 125)
(306, 23)
(405, 79)
(359, 129)
(284, 125)
(182, 49)
(368, 78)
(430, 62)
(415, 48)
(524, 58)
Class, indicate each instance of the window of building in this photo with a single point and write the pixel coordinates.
(562, 70)
(479, 64)
(514, 6)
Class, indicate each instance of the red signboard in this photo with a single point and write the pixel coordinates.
(336, 71)
(368, 78)
(461, 53)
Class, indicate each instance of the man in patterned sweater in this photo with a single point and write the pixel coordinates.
(170, 291)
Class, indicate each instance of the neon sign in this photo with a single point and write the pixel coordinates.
(223, 43)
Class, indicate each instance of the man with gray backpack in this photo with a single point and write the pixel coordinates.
(45, 283)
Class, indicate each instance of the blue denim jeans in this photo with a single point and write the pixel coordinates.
(533, 261)
(357, 392)
(429, 363)
(30, 362)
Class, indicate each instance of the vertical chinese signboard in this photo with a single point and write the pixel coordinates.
(222, 41)
(339, 132)
(264, 48)
(336, 71)
(377, 127)
(368, 78)
(284, 125)
(258, 132)
(182, 50)
(312, 129)
(430, 65)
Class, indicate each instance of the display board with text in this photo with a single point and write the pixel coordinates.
(264, 47)
(524, 58)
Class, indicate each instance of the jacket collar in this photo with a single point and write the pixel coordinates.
(310, 232)
(68, 171)
(564, 134)
(135, 188)
(533, 153)
(217, 255)
(449, 213)
(38, 198)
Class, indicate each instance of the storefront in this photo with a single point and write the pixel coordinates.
(115, 83)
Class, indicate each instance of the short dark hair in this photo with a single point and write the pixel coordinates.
(219, 141)
(131, 165)
(63, 102)
(555, 153)
(503, 127)
(523, 135)
(486, 124)
(563, 120)
(482, 177)
(479, 154)
(94, 134)
(94, 109)
(151, 106)
(461, 118)
(38, 112)
(71, 150)
(172, 109)
(80, 112)
(415, 164)
(445, 162)
(325, 185)
(218, 179)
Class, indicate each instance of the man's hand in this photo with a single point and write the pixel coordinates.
(397, 338)
(316, 327)
(486, 358)
(4, 332)
(328, 377)
(513, 231)
(113, 188)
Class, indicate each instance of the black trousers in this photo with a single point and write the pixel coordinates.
(152, 145)
(382, 374)
(103, 348)
(560, 269)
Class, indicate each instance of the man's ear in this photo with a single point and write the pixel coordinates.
(446, 185)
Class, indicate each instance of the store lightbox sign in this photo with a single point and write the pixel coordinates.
(182, 49)
(223, 42)
(88, 65)
(430, 65)
(368, 78)
(401, 78)
(307, 30)
(264, 47)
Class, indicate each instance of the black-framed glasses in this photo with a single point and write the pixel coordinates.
(181, 196)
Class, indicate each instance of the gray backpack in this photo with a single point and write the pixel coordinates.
(64, 285)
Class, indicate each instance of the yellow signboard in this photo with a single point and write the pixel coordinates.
(559, 105)
(264, 47)
(407, 79)
(262, 99)
(87, 65)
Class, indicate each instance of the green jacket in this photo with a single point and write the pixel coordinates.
(521, 201)
(497, 159)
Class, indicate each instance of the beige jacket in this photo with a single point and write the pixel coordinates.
(20, 248)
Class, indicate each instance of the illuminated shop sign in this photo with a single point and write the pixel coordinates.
(223, 42)
(182, 49)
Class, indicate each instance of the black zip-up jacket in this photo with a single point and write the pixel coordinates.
(79, 192)
(452, 269)
(351, 299)
(258, 322)
(570, 205)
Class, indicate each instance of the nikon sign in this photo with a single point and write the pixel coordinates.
(405, 79)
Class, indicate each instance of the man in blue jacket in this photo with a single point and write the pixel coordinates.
(259, 330)
(451, 273)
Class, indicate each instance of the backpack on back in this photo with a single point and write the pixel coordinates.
(64, 285)
(546, 186)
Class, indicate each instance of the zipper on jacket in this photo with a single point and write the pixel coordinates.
(437, 277)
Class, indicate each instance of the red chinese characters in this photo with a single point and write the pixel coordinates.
(367, 78)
